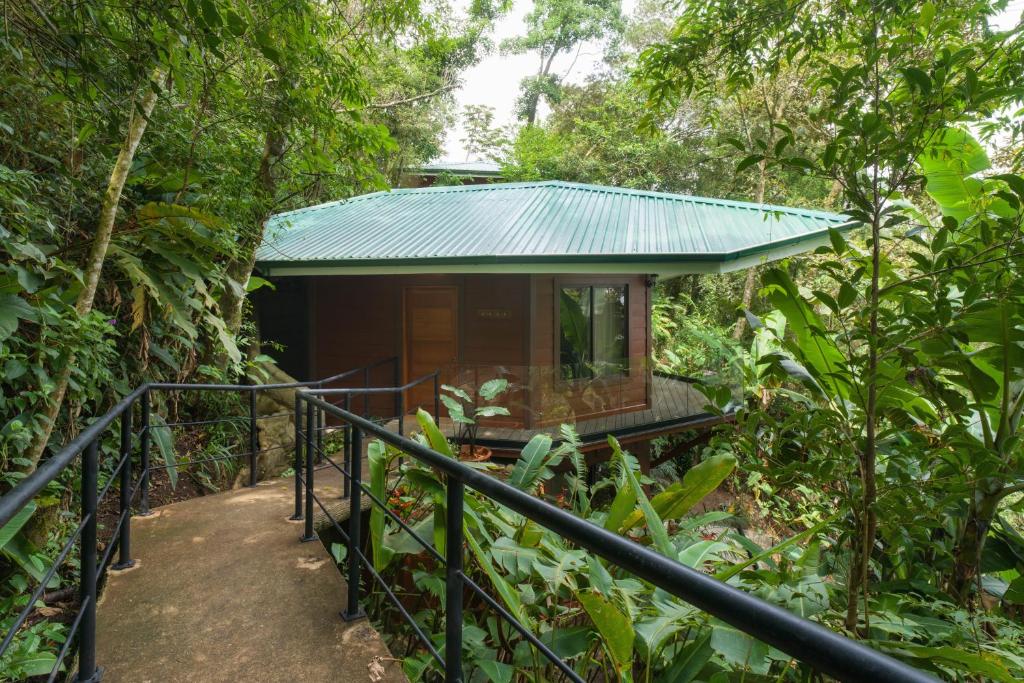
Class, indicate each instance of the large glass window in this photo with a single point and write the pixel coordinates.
(593, 331)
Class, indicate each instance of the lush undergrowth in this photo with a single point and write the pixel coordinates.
(609, 625)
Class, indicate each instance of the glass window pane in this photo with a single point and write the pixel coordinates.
(575, 344)
(609, 330)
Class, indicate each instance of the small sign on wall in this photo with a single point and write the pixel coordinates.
(494, 313)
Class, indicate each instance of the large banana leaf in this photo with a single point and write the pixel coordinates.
(948, 164)
(816, 349)
(616, 631)
(679, 498)
(378, 461)
(655, 524)
(435, 438)
(533, 463)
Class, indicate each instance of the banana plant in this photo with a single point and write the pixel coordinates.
(974, 266)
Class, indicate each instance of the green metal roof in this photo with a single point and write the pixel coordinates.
(548, 226)
(465, 168)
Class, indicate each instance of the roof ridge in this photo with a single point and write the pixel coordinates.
(697, 199)
(582, 187)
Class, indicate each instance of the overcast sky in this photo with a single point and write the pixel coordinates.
(495, 80)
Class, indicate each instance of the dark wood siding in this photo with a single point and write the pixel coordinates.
(508, 326)
(282, 316)
(554, 400)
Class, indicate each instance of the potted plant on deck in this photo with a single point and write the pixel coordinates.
(466, 410)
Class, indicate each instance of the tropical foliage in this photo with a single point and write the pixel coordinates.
(141, 147)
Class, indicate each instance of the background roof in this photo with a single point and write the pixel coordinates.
(548, 226)
(470, 168)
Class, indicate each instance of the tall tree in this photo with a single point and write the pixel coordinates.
(85, 75)
(556, 27)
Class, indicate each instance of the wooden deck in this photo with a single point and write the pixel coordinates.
(674, 405)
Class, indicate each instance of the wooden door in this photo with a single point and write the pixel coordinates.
(431, 339)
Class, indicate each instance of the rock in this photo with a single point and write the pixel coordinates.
(276, 434)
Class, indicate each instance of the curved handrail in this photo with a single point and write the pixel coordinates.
(800, 638)
(85, 444)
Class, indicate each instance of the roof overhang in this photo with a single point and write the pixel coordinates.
(662, 265)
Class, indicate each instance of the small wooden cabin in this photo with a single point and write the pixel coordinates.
(548, 284)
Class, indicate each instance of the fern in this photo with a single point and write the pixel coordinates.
(570, 448)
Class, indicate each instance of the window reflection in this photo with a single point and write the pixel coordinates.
(593, 331)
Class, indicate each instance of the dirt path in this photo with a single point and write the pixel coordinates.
(224, 591)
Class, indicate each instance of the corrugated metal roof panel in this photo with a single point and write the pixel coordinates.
(549, 222)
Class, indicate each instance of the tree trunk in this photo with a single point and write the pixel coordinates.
(967, 553)
(239, 270)
(751, 281)
(137, 122)
(861, 553)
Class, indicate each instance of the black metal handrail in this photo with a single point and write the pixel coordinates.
(802, 639)
(86, 446)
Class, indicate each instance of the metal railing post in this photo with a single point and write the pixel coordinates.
(352, 609)
(346, 485)
(87, 671)
(124, 542)
(297, 464)
(309, 534)
(398, 383)
(252, 437)
(401, 413)
(453, 582)
(437, 397)
(366, 396)
(319, 435)
(144, 457)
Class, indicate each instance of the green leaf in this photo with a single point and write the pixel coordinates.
(985, 664)
(817, 350)
(530, 466)
(491, 411)
(19, 520)
(455, 409)
(738, 648)
(748, 162)
(838, 241)
(34, 663)
(679, 498)
(235, 23)
(506, 592)
(499, 672)
(918, 79)
(434, 436)
(947, 165)
(700, 552)
(492, 387)
(256, 282)
(458, 392)
(689, 662)
(160, 434)
(12, 309)
(732, 571)
(377, 458)
(615, 628)
(622, 505)
(924, 20)
(655, 525)
(25, 555)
